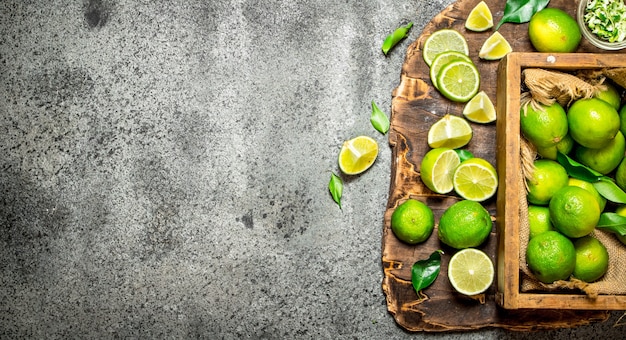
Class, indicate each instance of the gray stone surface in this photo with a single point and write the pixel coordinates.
(164, 169)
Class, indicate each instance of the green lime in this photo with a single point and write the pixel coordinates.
(545, 126)
(538, 220)
(606, 158)
(621, 210)
(610, 95)
(551, 256)
(412, 221)
(593, 123)
(592, 259)
(464, 224)
(622, 119)
(553, 30)
(574, 211)
(459, 81)
(470, 271)
(589, 187)
(620, 174)
(437, 169)
(475, 179)
(547, 178)
(564, 146)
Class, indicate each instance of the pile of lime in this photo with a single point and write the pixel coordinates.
(565, 209)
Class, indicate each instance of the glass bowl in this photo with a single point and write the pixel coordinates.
(591, 37)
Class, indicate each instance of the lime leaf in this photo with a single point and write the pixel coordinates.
(394, 38)
(578, 170)
(612, 222)
(464, 154)
(520, 11)
(336, 188)
(609, 190)
(379, 119)
(424, 272)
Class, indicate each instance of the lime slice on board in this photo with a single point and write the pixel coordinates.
(449, 132)
(475, 179)
(470, 271)
(442, 41)
(458, 81)
(437, 169)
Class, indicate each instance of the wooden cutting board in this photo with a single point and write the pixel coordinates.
(416, 105)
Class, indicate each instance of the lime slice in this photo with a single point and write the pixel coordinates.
(442, 59)
(480, 109)
(470, 271)
(357, 155)
(479, 18)
(495, 47)
(437, 169)
(458, 81)
(475, 179)
(449, 132)
(442, 41)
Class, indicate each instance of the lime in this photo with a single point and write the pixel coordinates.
(412, 221)
(606, 158)
(442, 59)
(470, 271)
(622, 119)
(437, 169)
(592, 259)
(475, 179)
(495, 47)
(589, 187)
(538, 220)
(621, 210)
(553, 30)
(593, 123)
(551, 256)
(565, 146)
(449, 132)
(545, 126)
(620, 174)
(574, 211)
(610, 95)
(548, 177)
(464, 224)
(357, 155)
(441, 41)
(480, 109)
(479, 18)
(458, 81)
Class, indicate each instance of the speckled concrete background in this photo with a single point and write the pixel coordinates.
(164, 169)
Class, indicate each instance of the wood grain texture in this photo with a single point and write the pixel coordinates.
(416, 105)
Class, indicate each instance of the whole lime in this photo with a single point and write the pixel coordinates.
(544, 126)
(553, 30)
(611, 95)
(551, 256)
(589, 187)
(547, 178)
(564, 146)
(620, 174)
(464, 224)
(538, 220)
(574, 211)
(593, 123)
(592, 259)
(412, 221)
(606, 158)
(622, 119)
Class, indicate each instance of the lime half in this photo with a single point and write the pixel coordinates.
(437, 169)
(470, 271)
(458, 81)
(475, 179)
(442, 41)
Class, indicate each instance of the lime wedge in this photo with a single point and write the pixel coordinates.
(437, 169)
(442, 59)
(480, 109)
(442, 41)
(470, 271)
(458, 81)
(475, 179)
(449, 132)
(479, 18)
(357, 155)
(495, 47)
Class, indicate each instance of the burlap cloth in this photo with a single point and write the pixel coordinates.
(546, 87)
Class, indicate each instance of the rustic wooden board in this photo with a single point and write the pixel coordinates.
(416, 105)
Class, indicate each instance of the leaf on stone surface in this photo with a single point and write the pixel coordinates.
(379, 119)
(520, 11)
(612, 222)
(424, 272)
(394, 38)
(335, 186)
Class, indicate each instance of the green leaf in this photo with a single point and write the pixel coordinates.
(464, 154)
(610, 190)
(424, 272)
(577, 170)
(336, 188)
(520, 11)
(612, 222)
(379, 119)
(394, 38)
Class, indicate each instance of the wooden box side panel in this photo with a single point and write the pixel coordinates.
(509, 164)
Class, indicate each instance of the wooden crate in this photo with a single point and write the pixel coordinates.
(509, 295)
